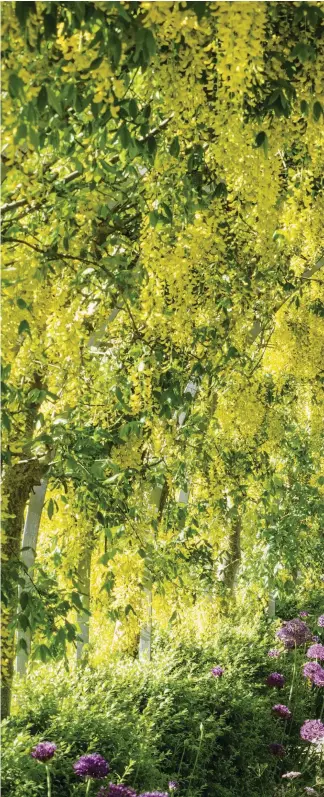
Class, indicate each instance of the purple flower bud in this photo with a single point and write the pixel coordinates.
(217, 672)
(282, 711)
(312, 731)
(44, 751)
(275, 679)
(173, 785)
(303, 614)
(92, 765)
(277, 749)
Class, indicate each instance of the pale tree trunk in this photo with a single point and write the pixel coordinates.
(233, 556)
(28, 554)
(271, 605)
(17, 484)
(159, 497)
(84, 574)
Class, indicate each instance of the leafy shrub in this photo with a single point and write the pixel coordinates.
(165, 719)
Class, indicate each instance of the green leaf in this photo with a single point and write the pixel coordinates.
(54, 101)
(43, 653)
(42, 99)
(114, 49)
(6, 421)
(149, 42)
(21, 303)
(304, 107)
(151, 145)
(50, 508)
(15, 86)
(23, 599)
(261, 140)
(124, 136)
(221, 189)
(175, 147)
(34, 138)
(317, 111)
(133, 109)
(24, 327)
(129, 609)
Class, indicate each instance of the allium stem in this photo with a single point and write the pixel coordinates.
(197, 756)
(88, 786)
(48, 778)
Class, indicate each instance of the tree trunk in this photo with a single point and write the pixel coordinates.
(17, 484)
(84, 572)
(271, 605)
(28, 554)
(159, 497)
(233, 556)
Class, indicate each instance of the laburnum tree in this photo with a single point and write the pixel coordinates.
(163, 326)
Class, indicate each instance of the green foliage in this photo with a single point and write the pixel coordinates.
(166, 719)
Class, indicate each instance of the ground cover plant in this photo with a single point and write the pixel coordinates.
(162, 398)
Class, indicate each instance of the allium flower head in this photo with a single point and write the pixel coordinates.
(173, 785)
(275, 679)
(312, 731)
(315, 673)
(303, 614)
(316, 652)
(282, 711)
(320, 621)
(310, 790)
(217, 671)
(44, 751)
(294, 632)
(92, 765)
(316, 638)
(277, 749)
(291, 775)
(274, 653)
(116, 790)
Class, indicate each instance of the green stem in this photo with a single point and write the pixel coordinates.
(196, 759)
(48, 778)
(88, 786)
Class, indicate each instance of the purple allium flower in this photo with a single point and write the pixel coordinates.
(114, 790)
(173, 785)
(320, 621)
(316, 652)
(303, 614)
(294, 632)
(277, 749)
(312, 731)
(92, 765)
(217, 671)
(274, 653)
(275, 679)
(44, 751)
(291, 775)
(282, 711)
(315, 673)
